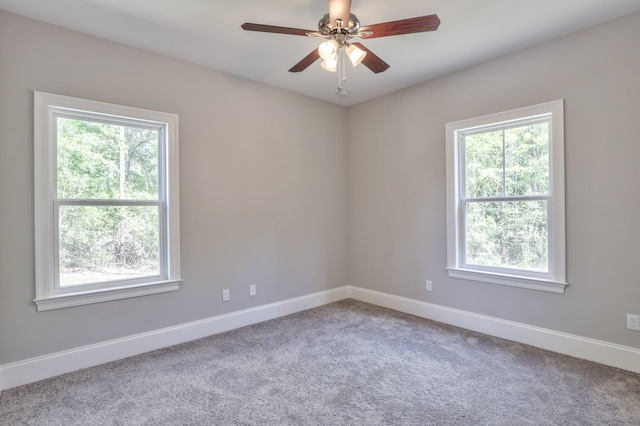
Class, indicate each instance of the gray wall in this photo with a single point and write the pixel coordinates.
(266, 199)
(262, 190)
(397, 211)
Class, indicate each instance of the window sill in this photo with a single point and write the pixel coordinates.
(86, 298)
(508, 280)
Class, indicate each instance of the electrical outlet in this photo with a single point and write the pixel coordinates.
(428, 285)
(225, 295)
(633, 322)
(252, 290)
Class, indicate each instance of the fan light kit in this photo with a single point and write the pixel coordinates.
(338, 27)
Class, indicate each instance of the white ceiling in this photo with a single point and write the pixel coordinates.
(208, 33)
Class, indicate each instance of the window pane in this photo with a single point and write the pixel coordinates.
(483, 164)
(527, 160)
(106, 161)
(99, 243)
(508, 234)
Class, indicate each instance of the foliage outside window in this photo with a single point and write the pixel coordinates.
(106, 201)
(505, 178)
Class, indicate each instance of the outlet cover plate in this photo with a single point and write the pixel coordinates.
(633, 322)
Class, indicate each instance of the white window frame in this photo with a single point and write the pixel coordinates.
(555, 279)
(49, 295)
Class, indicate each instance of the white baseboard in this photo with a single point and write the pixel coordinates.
(624, 357)
(43, 367)
(35, 369)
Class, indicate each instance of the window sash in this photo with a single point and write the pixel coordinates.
(463, 235)
(161, 128)
(162, 274)
(500, 127)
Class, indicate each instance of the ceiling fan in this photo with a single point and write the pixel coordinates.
(338, 27)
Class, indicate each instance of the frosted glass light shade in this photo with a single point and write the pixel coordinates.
(330, 65)
(355, 55)
(328, 50)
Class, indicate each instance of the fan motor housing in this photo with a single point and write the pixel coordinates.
(325, 27)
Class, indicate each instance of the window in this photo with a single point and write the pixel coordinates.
(106, 201)
(505, 198)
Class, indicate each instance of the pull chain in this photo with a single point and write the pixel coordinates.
(342, 71)
(339, 66)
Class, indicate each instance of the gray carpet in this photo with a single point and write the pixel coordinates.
(347, 363)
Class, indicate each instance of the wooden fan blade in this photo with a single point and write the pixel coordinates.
(372, 61)
(306, 61)
(339, 9)
(419, 24)
(273, 29)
